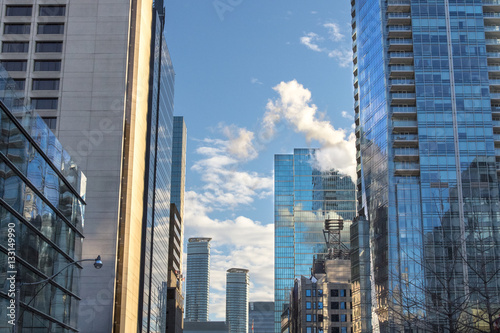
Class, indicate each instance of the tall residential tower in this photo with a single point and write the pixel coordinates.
(198, 279)
(427, 106)
(304, 198)
(237, 281)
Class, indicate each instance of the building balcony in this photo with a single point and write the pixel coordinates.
(407, 168)
(497, 154)
(398, 6)
(358, 155)
(356, 119)
(356, 94)
(403, 98)
(494, 72)
(358, 143)
(492, 45)
(492, 31)
(353, 23)
(401, 58)
(402, 85)
(495, 110)
(399, 31)
(495, 83)
(355, 58)
(355, 70)
(354, 35)
(491, 18)
(496, 138)
(355, 83)
(353, 11)
(496, 125)
(404, 111)
(400, 44)
(495, 98)
(491, 6)
(402, 71)
(405, 140)
(404, 126)
(493, 58)
(356, 106)
(399, 18)
(405, 154)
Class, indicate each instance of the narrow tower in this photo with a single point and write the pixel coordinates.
(237, 281)
(197, 279)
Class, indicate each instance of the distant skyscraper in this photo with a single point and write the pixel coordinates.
(179, 164)
(427, 113)
(197, 279)
(261, 317)
(237, 281)
(304, 198)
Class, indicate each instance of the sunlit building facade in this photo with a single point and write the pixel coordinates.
(304, 198)
(197, 279)
(427, 113)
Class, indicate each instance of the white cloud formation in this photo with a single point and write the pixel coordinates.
(310, 40)
(240, 142)
(295, 107)
(343, 55)
(254, 80)
(347, 115)
(334, 31)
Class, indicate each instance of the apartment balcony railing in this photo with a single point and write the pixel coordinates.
(403, 98)
(398, 71)
(399, 31)
(405, 154)
(491, 5)
(405, 123)
(495, 97)
(404, 109)
(398, 18)
(398, 6)
(403, 58)
(400, 44)
(491, 17)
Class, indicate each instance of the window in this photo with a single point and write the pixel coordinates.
(334, 293)
(334, 305)
(44, 103)
(308, 317)
(19, 84)
(335, 330)
(50, 29)
(45, 84)
(15, 47)
(342, 305)
(51, 122)
(334, 318)
(343, 330)
(14, 65)
(308, 330)
(47, 65)
(342, 293)
(343, 318)
(52, 10)
(18, 11)
(48, 47)
(22, 29)
(320, 318)
(314, 292)
(320, 305)
(308, 305)
(308, 292)
(320, 292)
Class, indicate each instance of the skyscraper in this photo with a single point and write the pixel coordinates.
(304, 198)
(197, 279)
(179, 143)
(85, 67)
(261, 317)
(427, 115)
(237, 281)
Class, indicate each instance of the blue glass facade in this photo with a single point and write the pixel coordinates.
(179, 163)
(304, 198)
(425, 80)
(237, 281)
(154, 268)
(42, 196)
(197, 279)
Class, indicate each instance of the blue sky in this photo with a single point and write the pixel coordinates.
(255, 78)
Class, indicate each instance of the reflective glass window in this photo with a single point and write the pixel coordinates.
(48, 47)
(52, 10)
(15, 47)
(45, 84)
(18, 11)
(47, 65)
(44, 103)
(50, 28)
(14, 65)
(22, 29)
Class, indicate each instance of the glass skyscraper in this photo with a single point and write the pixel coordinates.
(237, 281)
(427, 113)
(304, 198)
(156, 222)
(179, 163)
(197, 279)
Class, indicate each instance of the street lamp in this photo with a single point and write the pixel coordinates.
(97, 264)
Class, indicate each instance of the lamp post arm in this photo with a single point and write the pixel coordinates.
(53, 276)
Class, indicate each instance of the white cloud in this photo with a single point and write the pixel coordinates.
(334, 31)
(254, 80)
(346, 115)
(295, 106)
(239, 242)
(343, 55)
(310, 40)
(240, 142)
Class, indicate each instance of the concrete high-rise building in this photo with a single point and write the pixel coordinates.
(237, 284)
(304, 198)
(427, 113)
(261, 317)
(197, 279)
(86, 68)
(42, 201)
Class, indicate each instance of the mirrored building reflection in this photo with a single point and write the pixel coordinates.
(42, 200)
(304, 198)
